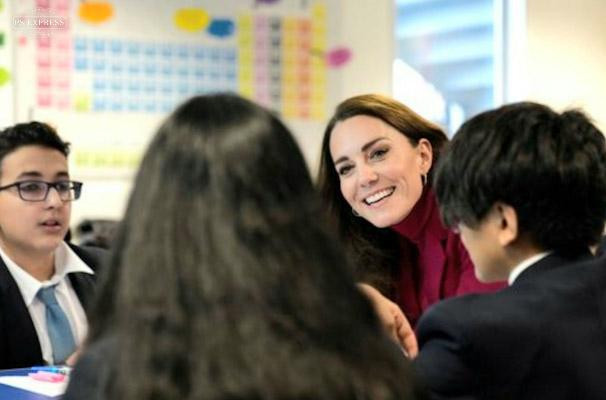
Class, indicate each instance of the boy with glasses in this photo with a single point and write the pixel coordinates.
(45, 283)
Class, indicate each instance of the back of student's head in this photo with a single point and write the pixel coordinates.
(30, 134)
(550, 167)
(224, 283)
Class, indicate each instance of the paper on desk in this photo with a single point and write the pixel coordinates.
(51, 389)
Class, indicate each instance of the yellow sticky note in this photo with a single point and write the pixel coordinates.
(191, 19)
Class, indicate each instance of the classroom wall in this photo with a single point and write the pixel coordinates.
(566, 55)
(365, 27)
(558, 57)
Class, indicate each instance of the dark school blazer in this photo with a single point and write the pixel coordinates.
(19, 345)
(544, 337)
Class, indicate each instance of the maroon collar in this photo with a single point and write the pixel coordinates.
(423, 220)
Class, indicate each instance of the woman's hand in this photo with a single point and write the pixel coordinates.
(393, 320)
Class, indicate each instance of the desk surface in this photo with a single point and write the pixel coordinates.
(13, 393)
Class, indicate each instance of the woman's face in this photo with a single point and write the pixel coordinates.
(379, 169)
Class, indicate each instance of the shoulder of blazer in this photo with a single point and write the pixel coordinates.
(84, 284)
(94, 257)
(19, 345)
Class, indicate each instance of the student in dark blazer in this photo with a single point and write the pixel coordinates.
(35, 262)
(526, 187)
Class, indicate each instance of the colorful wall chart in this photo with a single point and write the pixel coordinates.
(277, 66)
(272, 59)
(6, 110)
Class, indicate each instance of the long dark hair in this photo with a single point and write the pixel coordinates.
(376, 252)
(224, 284)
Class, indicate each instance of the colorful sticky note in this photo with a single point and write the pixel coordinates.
(95, 12)
(5, 76)
(191, 19)
(266, 1)
(338, 57)
(82, 102)
(1, 37)
(221, 28)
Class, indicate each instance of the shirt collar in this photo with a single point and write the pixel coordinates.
(521, 267)
(66, 262)
(423, 220)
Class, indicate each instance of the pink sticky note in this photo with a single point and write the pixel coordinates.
(43, 58)
(62, 4)
(44, 80)
(63, 63)
(338, 56)
(62, 81)
(43, 41)
(44, 376)
(62, 42)
(63, 102)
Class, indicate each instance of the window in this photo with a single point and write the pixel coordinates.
(448, 64)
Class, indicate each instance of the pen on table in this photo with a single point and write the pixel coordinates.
(58, 370)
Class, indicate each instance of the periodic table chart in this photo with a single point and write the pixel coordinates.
(96, 69)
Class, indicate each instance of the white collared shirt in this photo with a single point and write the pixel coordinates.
(521, 267)
(66, 262)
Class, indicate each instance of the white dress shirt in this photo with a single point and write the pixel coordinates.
(66, 262)
(521, 267)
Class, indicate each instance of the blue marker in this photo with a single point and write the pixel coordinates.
(57, 370)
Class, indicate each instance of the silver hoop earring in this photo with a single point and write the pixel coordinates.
(354, 212)
(424, 179)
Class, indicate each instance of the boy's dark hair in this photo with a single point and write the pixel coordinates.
(550, 167)
(30, 133)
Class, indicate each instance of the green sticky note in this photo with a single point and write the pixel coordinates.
(5, 76)
(1, 37)
(1, 5)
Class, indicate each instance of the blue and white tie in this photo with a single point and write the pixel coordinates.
(57, 325)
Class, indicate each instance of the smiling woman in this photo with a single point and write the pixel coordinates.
(375, 178)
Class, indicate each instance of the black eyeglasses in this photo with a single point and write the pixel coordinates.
(38, 190)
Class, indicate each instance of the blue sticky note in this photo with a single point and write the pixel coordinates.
(134, 68)
(150, 87)
(199, 53)
(150, 69)
(167, 89)
(183, 89)
(221, 27)
(183, 72)
(80, 44)
(98, 45)
(117, 68)
(215, 55)
(133, 105)
(167, 70)
(133, 48)
(116, 47)
(199, 73)
(117, 105)
(117, 86)
(134, 87)
(81, 64)
(99, 104)
(150, 106)
(99, 85)
(99, 65)
(150, 50)
(166, 50)
(182, 52)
